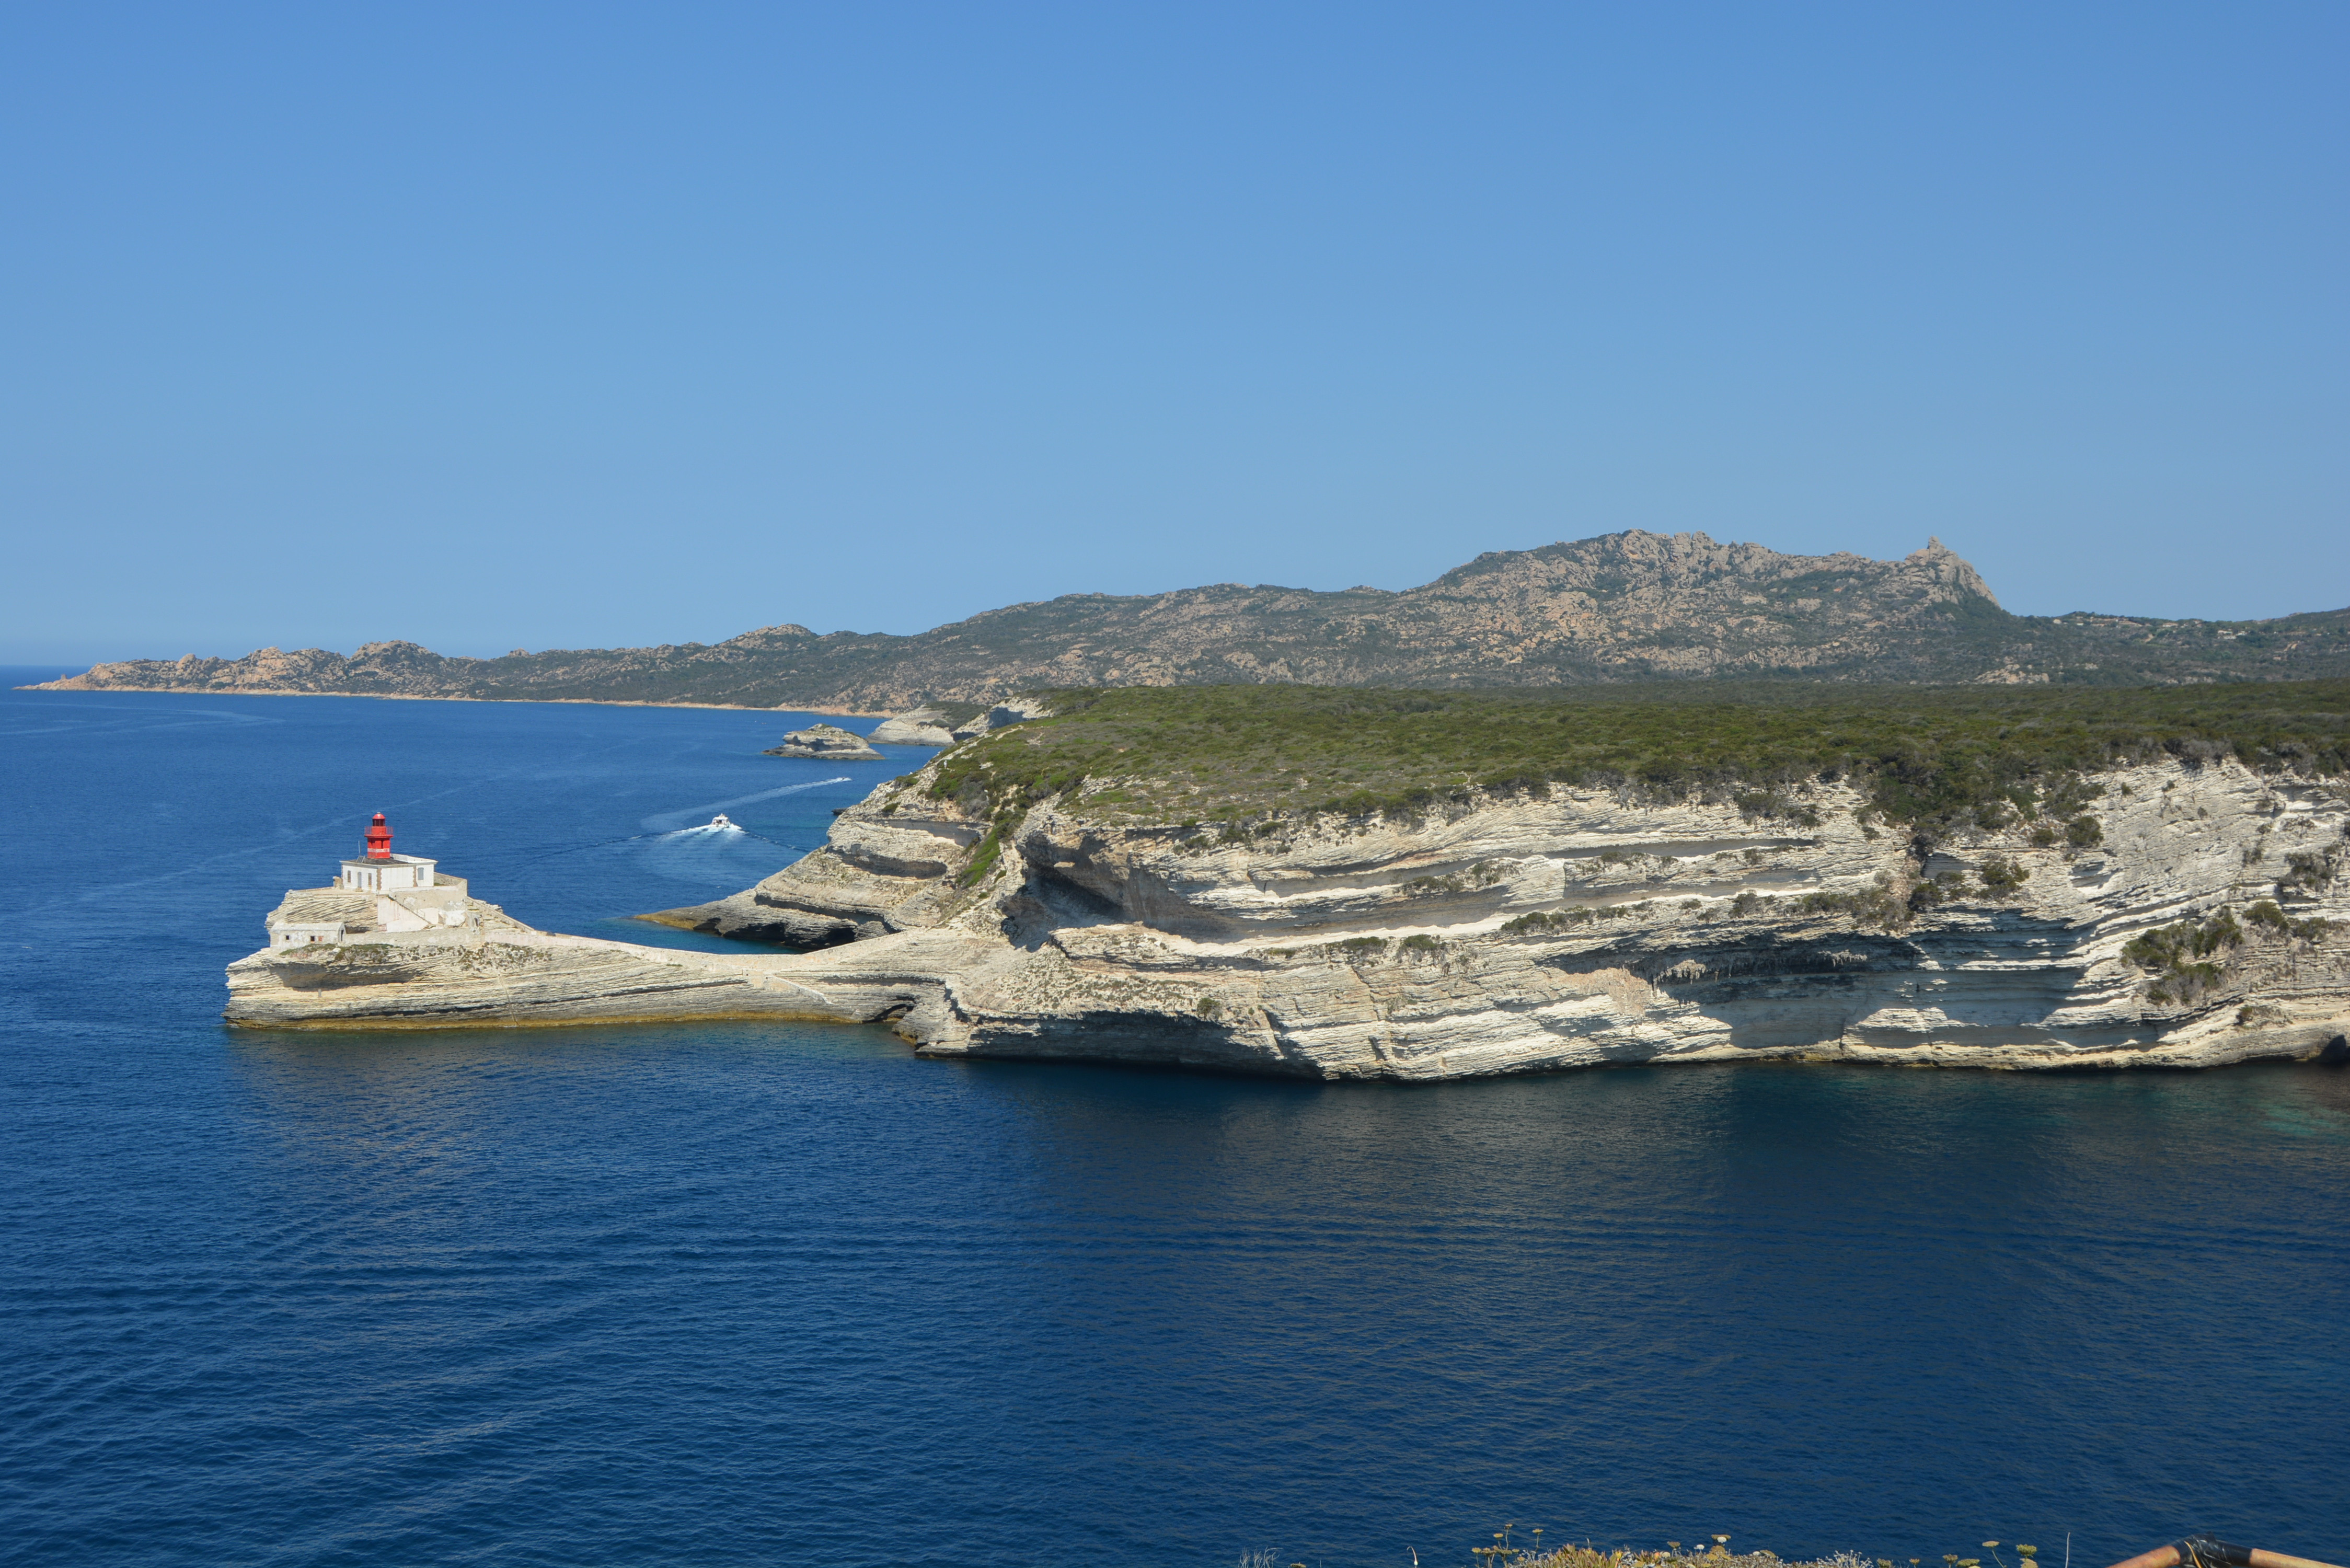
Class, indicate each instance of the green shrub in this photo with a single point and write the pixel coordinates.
(1540, 922)
(2267, 916)
(1877, 907)
(1419, 942)
(2084, 833)
(2067, 793)
(2309, 872)
(2187, 983)
(984, 857)
(2001, 877)
(2168, 945)
(2179, 956)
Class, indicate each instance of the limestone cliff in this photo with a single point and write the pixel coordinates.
(931, 725)
(1581, 927)
(1626, 606)
(2199, 917)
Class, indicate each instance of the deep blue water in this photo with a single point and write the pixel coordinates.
(762, 1294)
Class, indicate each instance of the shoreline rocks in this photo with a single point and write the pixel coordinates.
(828, 742)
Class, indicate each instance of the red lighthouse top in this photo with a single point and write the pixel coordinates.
(378, 840)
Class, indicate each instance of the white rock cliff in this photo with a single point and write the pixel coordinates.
(1574, 928)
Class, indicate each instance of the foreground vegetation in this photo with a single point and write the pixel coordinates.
(1233, 756)
(1520, 1546)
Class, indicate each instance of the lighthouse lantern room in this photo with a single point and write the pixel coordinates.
(380, 871)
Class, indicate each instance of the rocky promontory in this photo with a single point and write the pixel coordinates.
(2181, 905)
(828, 742)
(931, 725)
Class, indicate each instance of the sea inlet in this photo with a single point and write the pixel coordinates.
(734, 1293)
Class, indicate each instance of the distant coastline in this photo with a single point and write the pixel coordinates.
(438, 697)
(1628, 609)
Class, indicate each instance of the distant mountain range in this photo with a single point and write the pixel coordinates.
(1625, 606)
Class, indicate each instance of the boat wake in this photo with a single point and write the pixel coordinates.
(676, 821)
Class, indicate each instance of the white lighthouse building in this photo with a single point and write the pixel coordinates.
(380, 871)
(378, 897)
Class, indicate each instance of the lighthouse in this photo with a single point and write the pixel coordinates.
(378, 898)
(379, 871)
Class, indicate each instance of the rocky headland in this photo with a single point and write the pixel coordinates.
(2177, 901)
(1630, 606)
(931, 724)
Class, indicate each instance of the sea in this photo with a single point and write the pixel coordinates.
(738, 1293)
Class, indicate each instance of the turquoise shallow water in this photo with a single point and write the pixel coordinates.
(748, 1294)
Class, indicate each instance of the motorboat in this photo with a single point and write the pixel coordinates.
(720, 824)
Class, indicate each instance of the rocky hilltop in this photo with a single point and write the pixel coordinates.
(2180, 901)
(1626, 607)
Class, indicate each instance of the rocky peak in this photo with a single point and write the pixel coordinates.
(1950, 570)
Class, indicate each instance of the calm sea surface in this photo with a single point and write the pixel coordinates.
(740, 1293)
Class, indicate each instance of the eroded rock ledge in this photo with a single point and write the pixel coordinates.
(1565, 927)
(827, 742)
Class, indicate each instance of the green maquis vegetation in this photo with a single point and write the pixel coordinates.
(1237, 761)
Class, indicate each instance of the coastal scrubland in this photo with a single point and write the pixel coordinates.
(1238, 757)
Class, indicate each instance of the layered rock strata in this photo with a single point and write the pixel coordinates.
(923, 726)
(1571, 928)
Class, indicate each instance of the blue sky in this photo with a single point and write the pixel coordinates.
(581, 325)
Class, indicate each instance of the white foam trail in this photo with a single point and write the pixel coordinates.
(699, 855)
(707, 829)
(671, 821)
